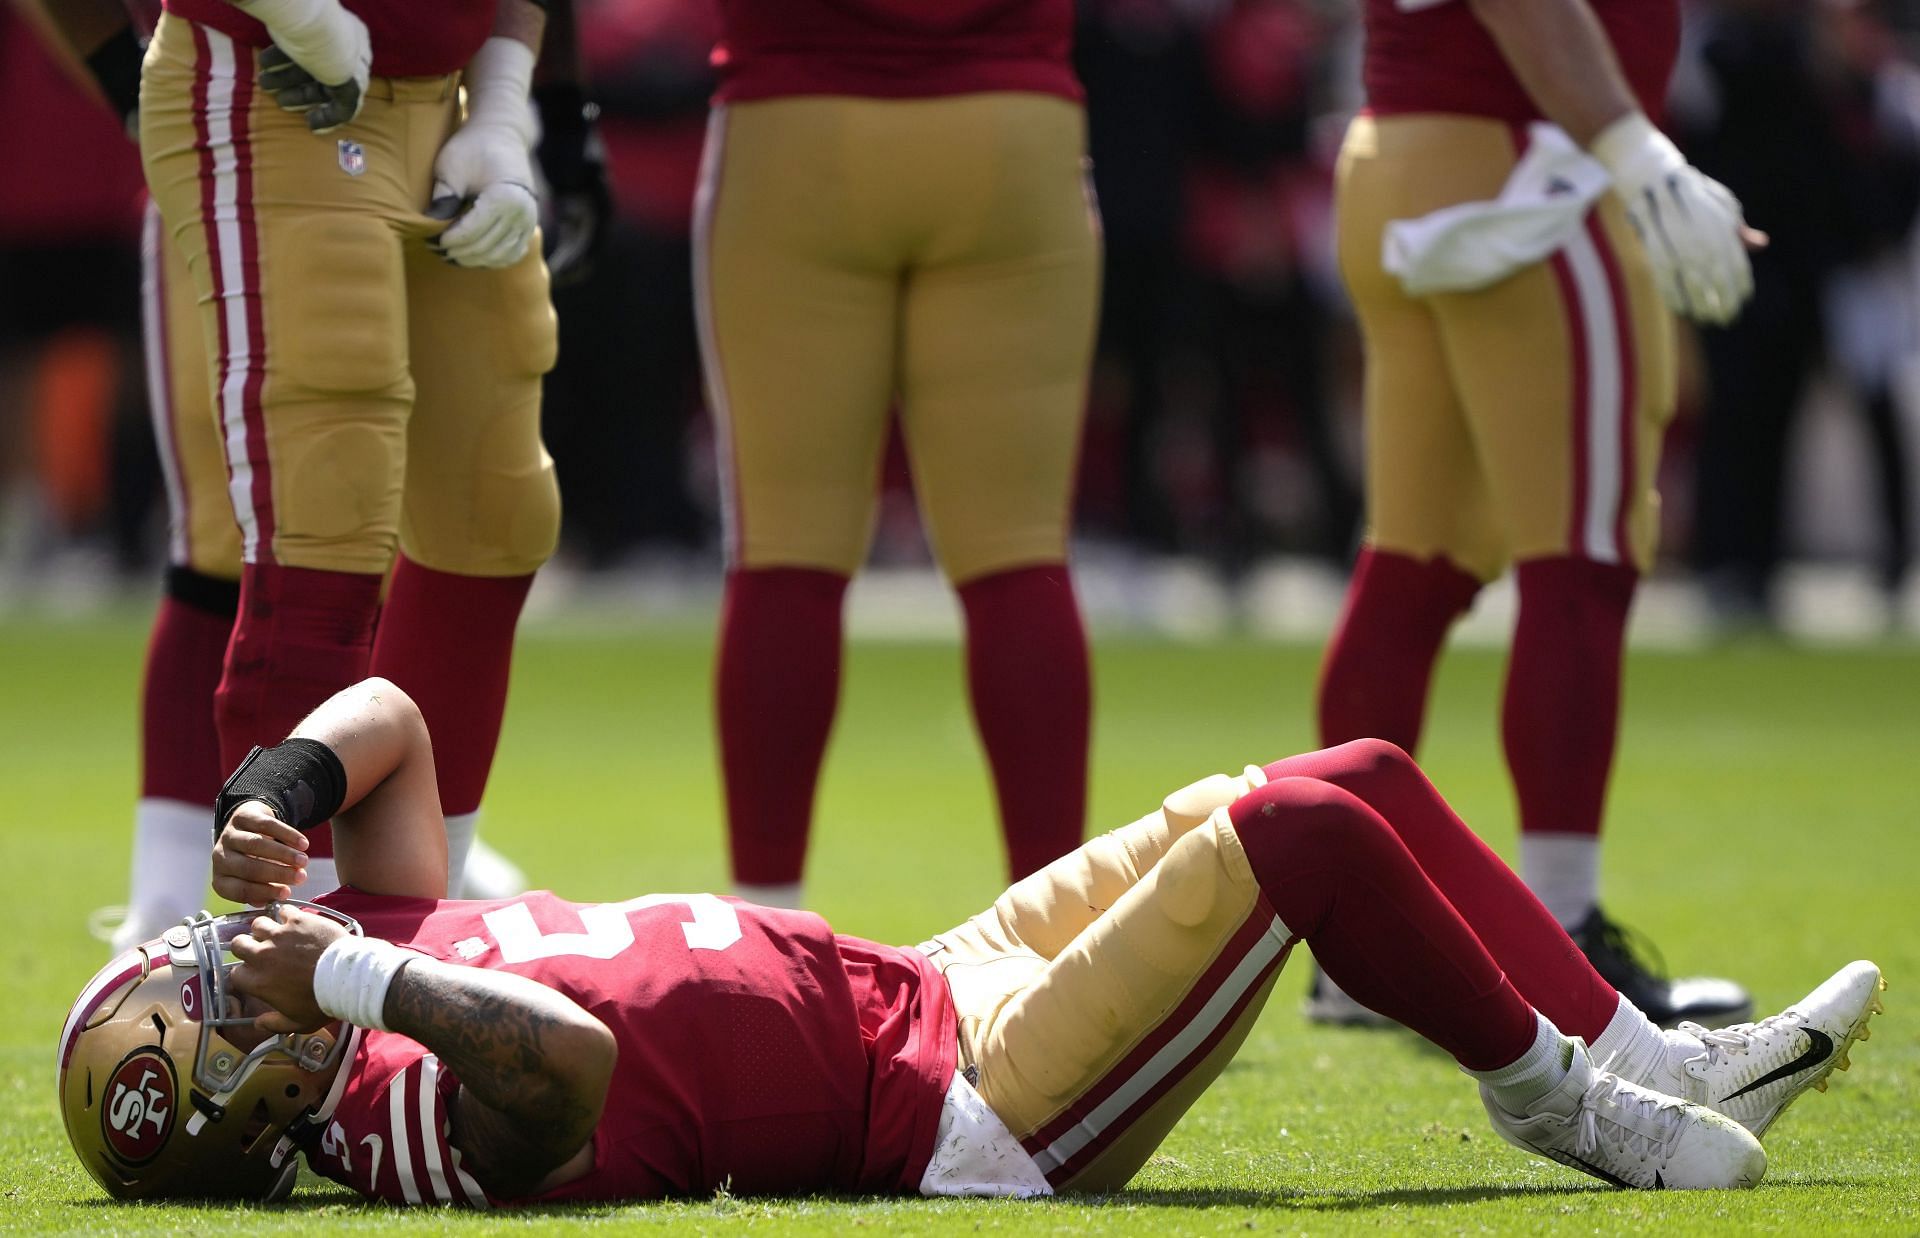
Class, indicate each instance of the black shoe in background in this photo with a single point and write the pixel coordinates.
(1620, 956)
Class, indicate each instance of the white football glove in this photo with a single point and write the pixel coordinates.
(1689, 223)
(483, 176)
(320, 61)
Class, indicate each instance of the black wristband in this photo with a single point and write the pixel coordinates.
(302, 780)
(115, 64)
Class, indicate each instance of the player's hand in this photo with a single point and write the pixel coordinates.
(258, 858)
(277, 956)
(1690, 224)
(320, 62)
(483, 181)
(483, 176)
(575, 165)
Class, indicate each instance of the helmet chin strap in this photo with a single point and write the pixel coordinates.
(283, 1185)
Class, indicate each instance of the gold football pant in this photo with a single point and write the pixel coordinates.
(1099, 997)
(201, 532)
(938, 254)
(1520, 421)
(365, 392)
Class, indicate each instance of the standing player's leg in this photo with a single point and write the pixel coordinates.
(1431, 539)
(180, 770)
(795, 285)
(481, 513)
(1566, 373)
(297, 264)
(997, 336)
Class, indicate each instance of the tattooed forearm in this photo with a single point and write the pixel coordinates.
(533, 1064)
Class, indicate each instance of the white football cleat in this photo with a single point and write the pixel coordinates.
(1629, 1135)
(1752, 1071)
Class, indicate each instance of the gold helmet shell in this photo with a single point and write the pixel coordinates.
(159, 1101)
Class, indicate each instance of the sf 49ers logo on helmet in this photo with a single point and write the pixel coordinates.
(136, 1114)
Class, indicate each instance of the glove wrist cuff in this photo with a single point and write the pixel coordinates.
(499, 79)
(318, 34)
(1634, 152)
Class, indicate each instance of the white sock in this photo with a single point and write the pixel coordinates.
(170, 868)
(1563, 871)
(1632, 1046)
(771, 896)
(1534, 1073)
(489, 875)
(461, 827)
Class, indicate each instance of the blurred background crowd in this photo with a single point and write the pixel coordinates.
(1222, 435)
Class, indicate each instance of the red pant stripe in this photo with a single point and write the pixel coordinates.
(223, 97)
(1176, 1046)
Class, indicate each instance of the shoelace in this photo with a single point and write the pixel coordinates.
(1648, 1105)
(1738, 1037)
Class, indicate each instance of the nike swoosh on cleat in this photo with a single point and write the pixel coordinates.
(1573, 1162)
(1819, 1049)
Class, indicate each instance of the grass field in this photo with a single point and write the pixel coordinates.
(1764, 825)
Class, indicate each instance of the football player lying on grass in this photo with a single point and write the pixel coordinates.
(433, 1051)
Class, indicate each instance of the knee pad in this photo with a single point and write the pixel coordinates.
(499, 519)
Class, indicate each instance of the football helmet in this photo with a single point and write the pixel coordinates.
(159, 1095)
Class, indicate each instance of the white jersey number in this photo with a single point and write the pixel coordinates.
(714, 926)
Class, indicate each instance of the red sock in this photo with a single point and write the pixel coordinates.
(776, 687)
(179, 748)
(448, 641)
(1032, 700)
(1380, 661)
(1338, 876)
(1526, 941)
(1562, 709)
(301, 635)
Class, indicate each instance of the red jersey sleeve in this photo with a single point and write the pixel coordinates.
(389, 1134)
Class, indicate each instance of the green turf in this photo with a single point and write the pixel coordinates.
(1764, 824)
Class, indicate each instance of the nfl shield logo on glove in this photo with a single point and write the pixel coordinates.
(353, 157)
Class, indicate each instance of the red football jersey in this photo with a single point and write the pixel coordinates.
(411, 38)
(893, 49)
(1437, 57)
(758, 1049)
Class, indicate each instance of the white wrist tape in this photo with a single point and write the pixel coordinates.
(499, 79)
(350, 981)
